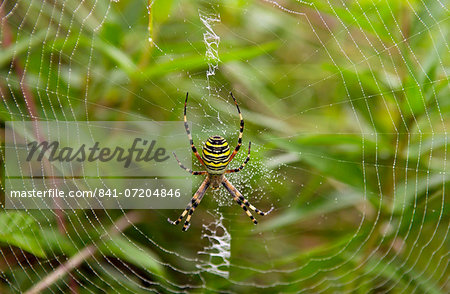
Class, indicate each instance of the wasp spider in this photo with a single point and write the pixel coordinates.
(215, 158)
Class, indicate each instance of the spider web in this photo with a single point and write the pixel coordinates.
(345, 105)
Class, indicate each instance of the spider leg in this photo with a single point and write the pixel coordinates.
(191, 211)
(242, 201)
(188, 132)
(241, 130)
(242, 166)
(234, 192)
(195, 173)
(195, 201)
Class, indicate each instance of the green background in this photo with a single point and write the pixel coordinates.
(346, 106)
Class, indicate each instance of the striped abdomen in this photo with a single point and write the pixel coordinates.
(216, 154)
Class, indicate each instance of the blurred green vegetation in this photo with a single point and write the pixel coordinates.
(348, 103)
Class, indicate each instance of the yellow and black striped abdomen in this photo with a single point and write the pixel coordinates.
(216, 154)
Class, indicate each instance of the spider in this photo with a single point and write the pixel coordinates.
(215, 158)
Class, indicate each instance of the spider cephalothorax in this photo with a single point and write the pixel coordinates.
(215, 158)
